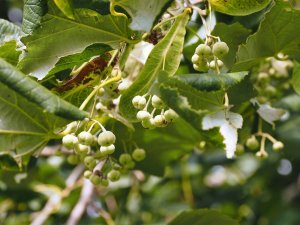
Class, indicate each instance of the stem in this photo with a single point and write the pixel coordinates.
(262, 146)
(260, 125)
(94, 92)
(127, 49)
(202, 18)
(226, 100)
(102, 127)
(186, 184)
(113, 11)
(164, 21)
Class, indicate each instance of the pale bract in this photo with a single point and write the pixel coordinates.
(228, 122)
(268, 113)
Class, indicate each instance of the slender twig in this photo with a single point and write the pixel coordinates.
(105, 215)
(84, 200)
(55, 200)
(96, 89)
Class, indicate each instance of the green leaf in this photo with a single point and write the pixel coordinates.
(202, 217)
(9, 53)
(8, 31)
(199, 100)
(212, 82)
(192, 105)
(296, 77)
(32, 13)
(234, 35)
(165, 56)
(276, 34)
(77, 59)
(238, 7)
(143, 13)
(47, 44)
(38, 94)
(25, 127)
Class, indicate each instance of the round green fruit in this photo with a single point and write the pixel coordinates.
(252, 143)
(220, 49)
(125, 158)
(69, 141)
(106, 138)
(85, 138)
(139, 154)
(278, 145)
(114, 175)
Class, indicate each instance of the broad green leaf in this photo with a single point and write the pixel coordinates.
(296, 78)
(77, 59)
(213, 82)
(234, 35)
(202, 217)
(9, 53)
(199, 99)
(143, 13)
(165, 56)
(276, 34)
(8, 31)
(32, 13)
(192, 109)
(25, 128)
(38, 94)
(66, 7)
(238, 7)
(47, 44)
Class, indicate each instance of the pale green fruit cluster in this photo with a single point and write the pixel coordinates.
(127, 160)
(206, 57)
(148, 120)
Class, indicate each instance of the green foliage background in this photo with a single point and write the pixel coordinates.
(252, 191)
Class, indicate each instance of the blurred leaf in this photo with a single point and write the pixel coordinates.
(281, 22)
(143, 13)
(290, 102)
(88, 28)
(38, 94)
(165, 56)
(234, 35)
(7, 162)
(202, 217)
(9, 31)
(9, 53)
(296, 77)
(238, 7)
(32, 14)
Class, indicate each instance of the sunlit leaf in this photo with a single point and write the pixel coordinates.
(165, 56)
